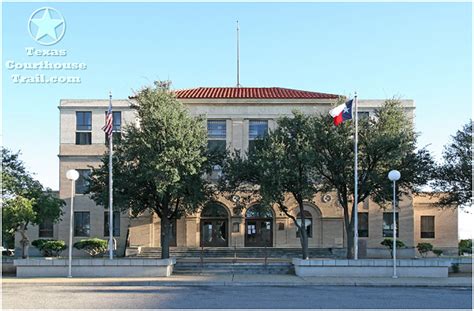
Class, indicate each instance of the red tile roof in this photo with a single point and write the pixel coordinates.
(250, 92)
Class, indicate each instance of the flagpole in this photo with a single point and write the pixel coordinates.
(111, 210)
(356, 216)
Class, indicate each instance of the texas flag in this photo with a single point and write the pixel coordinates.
(342, 112)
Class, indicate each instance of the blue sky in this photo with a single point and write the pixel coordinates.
(416, 51)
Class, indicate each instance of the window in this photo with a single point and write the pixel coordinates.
(117, 126)
(363, 115)
(216, 135)
(363, 224)
(83, 127)
(82, 224)
(308, 222)
(83, 121)
(257, 130)
(216, 129)
(427, 227)
(116, 223)
(82, 183)
(46, 229)
(388, 224)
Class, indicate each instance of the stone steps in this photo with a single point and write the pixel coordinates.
(233, 268)
(152, 252)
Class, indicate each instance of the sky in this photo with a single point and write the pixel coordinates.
(419, 51)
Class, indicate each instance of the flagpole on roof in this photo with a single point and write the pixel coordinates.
(238, 56)
(356, 216)
(111, 210)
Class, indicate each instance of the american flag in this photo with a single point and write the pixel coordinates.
(109, 121)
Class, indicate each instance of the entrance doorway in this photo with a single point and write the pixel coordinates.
(214, 226)
(259, 226)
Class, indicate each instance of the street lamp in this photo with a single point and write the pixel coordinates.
(72, 175)
(394, 175)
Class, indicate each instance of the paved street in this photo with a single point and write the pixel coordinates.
(133, 297)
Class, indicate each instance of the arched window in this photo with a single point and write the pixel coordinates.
(308, 222)
(214, 210)
(259, 211)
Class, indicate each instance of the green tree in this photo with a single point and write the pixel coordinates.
(280, 164)
(465, 246)
(388, 243)
(159, 163)
(386, 141)
(454, 175)
(25, 201)
(424, 248)
(94, 247)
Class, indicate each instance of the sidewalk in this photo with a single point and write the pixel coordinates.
(244, 280)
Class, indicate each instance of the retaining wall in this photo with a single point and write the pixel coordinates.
(94, 267)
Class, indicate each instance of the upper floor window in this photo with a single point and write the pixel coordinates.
(363, 115)
(83, 127)
(117, 120)
(117, 126)
(216, 129)
(257, 129)
(427, 227)
(216, 135)
(363, 224)
(46, 229)
(82, 183)
(388, 224)
(83, 121)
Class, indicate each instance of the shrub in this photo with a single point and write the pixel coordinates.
(424, 248)
(438, 252)
(455, 267)
(388, 242)
(94, 247)
(39, 243)
(49, 248)
(465, 246)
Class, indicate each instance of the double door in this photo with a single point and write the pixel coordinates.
(259, 233)
(214, 232)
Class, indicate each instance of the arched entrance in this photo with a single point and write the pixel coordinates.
(214, 226)
(259, 226)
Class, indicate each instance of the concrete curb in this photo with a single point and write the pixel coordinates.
(365, 283)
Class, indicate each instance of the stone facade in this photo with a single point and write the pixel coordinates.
(326, 216)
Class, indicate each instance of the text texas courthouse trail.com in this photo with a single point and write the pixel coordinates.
(26, 69)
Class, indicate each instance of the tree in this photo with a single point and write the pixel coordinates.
(465, 246)
(280, 164)
(453, 178)
(388, 243)
(25, 201)
(386, 141)
(424, 248)
(159, 163)
(94, 247)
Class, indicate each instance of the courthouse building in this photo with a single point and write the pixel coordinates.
(235, 117)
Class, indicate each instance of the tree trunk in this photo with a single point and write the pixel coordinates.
(25, 242)
(165, 237)
(349, 234)
(303, 233)
(304, 243)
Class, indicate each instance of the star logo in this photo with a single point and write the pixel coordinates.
(346, 110)
(46, 26)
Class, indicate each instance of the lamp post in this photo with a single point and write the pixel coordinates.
(394, 175)
(72, 175)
